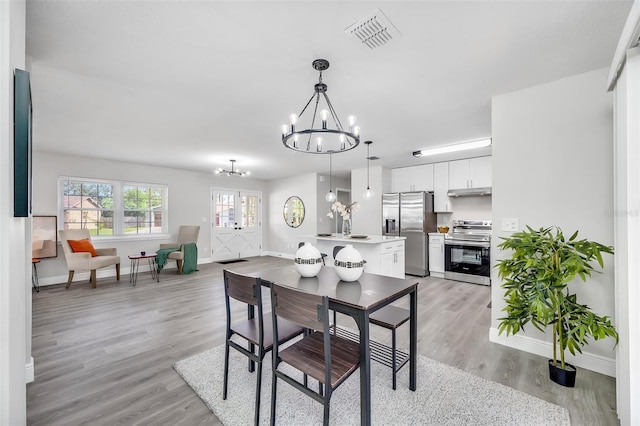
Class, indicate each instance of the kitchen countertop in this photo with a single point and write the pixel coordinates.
(371, 239)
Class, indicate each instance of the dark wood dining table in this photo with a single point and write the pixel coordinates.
(357, 299)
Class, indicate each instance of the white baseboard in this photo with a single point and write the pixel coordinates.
(277, 254)
(29, 372)
(109, 272)
(586, 360)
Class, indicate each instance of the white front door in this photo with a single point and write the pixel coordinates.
(236, 224)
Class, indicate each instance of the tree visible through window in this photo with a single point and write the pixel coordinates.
(113, 208)
(142, 209)
(88, 205)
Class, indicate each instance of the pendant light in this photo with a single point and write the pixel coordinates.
(368, 194)
(330, 197)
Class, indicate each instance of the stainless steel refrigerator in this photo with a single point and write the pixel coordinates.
(410, 215)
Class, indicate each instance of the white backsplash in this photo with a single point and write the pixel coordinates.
(467, 208)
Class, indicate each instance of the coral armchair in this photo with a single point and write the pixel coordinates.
(85, 260)
(186, 235)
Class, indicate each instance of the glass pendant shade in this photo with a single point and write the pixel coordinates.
(330, 197)
(368, 194)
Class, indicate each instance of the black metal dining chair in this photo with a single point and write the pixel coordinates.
(328, 358)
(390, 317)
(256, 332)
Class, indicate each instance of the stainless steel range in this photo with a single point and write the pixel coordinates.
(467, 252)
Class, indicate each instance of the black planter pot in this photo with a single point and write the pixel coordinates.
(562, 377)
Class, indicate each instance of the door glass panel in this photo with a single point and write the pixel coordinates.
(225, 207)
(249, 211)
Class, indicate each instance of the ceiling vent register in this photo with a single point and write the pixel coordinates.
(374, 31)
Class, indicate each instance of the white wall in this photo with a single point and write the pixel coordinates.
(470, 208)
(283, 239)
(553, 165)
(368, 220)
(15, 284)
(325, 223)
(189, 202)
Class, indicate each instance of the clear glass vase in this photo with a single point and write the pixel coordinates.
(346, 227)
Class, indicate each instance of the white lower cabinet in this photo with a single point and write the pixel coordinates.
(436, 255)
(392, 259)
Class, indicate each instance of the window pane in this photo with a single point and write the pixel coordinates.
(225, 210)
(249, 211)
(87, 205)
(144, 207)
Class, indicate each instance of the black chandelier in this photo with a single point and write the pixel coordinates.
(323, 140)
(233, 171)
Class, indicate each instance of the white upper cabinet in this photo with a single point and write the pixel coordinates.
(440, 187)
(415, 178)
(470, 173)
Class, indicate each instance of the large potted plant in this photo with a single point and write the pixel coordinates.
(536, 281)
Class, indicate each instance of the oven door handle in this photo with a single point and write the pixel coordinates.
(483, 244)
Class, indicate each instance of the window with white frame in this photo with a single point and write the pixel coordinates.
(113, 208)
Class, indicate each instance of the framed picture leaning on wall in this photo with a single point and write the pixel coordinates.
(44, 237)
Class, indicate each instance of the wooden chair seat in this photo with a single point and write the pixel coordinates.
(308, 355)
(391, 317)
(250, 331)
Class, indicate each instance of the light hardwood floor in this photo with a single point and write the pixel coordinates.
(104, 356)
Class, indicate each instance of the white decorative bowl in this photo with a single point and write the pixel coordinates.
(308, 260)
(349, 264)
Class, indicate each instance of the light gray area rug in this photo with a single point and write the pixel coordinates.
(445, 396)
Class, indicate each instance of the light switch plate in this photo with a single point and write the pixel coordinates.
(510, 224)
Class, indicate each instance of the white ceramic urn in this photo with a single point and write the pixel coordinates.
(308, 260)
(349, 263)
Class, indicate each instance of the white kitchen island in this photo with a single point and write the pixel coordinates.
(384, 255)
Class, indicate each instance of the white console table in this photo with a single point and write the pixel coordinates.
(384, 254)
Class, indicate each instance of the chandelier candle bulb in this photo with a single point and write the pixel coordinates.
(285, 129)
(323, 115)
(342, 142)
(319, 144)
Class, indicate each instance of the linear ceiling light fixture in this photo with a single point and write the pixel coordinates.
(323, 139)
(453, 148)
(233, 171)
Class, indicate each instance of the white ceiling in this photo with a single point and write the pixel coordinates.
(193, 84)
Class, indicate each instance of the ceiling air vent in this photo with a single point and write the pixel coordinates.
(375, 30)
